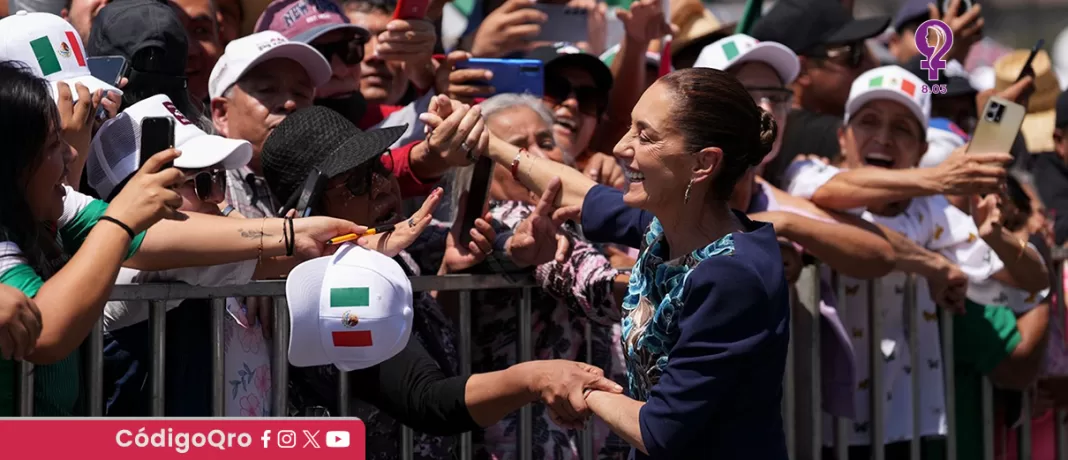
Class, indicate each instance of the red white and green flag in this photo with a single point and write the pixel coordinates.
(352, 297)
(48, 55)
(882, 81)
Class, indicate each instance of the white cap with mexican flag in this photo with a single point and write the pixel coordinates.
(736, 49)
(891, 83)
(353, 309)
(51, 48)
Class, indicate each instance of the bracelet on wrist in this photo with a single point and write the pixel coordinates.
(129, 231)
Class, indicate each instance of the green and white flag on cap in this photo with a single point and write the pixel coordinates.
(46, 55)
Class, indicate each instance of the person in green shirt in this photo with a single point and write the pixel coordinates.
(53, 250)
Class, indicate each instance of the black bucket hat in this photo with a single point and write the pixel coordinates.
(318, 137)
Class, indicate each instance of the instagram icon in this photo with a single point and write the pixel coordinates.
(287, 439)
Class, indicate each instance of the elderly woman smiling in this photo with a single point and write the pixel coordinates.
(705, 327)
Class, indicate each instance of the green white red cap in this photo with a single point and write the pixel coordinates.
(353, 309)
(891, 83)
(51, 48)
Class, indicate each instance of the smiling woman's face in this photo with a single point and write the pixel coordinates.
(44, 185)
(653, 155)
(884, 134)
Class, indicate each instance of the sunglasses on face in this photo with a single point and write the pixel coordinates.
(359, 180)
(591, 100)
(349, 52)
(209, 184)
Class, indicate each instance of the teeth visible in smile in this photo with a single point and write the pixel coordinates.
(633, 175)
(567, 123)
(879, 159)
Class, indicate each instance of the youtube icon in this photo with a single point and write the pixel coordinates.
(337, 439)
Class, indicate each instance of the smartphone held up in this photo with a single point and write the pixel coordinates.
(157, 135)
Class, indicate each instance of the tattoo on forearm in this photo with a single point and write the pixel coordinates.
(253, 234)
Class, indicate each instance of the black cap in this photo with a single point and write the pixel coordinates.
(957, 84)
(317, 137)
(809, 27)
(127, 27)
(1062, 110)
(912, 11)
(560, 55)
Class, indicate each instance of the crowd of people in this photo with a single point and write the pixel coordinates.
(664, 193)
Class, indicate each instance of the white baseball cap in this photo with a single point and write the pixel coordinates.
(736, 49)
(115, 152)
(51, 48)
(353, 309)
(245, 53)
(891, 83)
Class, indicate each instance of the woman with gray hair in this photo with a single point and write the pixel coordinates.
(580, 291)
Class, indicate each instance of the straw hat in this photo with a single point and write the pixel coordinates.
(1041, 109)
(696, 24)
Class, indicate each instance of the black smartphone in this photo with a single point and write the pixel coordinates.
(307, 195)
(157, 135)
(108, 69)
(477, 192)
(1029, 70)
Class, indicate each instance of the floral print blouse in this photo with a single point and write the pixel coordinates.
(571, 296)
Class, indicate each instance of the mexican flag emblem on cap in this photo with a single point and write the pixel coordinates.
(898, 83)
(352, 297)
(48, 55)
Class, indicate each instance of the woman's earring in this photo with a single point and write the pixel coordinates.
(686, 198)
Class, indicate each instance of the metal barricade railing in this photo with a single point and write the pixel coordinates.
(802, 408)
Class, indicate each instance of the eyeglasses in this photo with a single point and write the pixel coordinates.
(209, 185)
(592, 101)
(359, 179)
(777, 98)
(349, 51)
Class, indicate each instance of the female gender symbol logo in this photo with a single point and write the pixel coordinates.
(935, 55)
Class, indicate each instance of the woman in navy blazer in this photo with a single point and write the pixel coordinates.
(706, 318)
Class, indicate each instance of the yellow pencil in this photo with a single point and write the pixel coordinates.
(354, 236)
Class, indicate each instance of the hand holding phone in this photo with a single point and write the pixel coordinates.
(110, 70)
(157, 135)
(999, 124)
(510, 75)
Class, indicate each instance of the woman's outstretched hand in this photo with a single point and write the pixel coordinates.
(405, 233)
(562, 384)
(537, 239)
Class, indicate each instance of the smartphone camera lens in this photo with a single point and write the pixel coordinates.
(531, 69)
(994, 112)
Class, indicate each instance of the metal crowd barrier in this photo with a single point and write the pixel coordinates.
(801, 399)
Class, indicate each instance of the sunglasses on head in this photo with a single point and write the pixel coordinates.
(850, 55)
(592, 101)
(349, 51)
(361, 177)
(208, 184)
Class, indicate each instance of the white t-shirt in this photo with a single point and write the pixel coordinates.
(938, 226)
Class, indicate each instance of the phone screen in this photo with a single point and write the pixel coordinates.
(108, 69)
(157, 135)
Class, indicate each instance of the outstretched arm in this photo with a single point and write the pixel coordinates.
(535, 173)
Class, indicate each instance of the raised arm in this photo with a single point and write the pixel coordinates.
(204, 240)
(535, 173)
(850, 250)
(961, 174)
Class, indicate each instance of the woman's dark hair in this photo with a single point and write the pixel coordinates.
(28, 120)
(713, 109)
